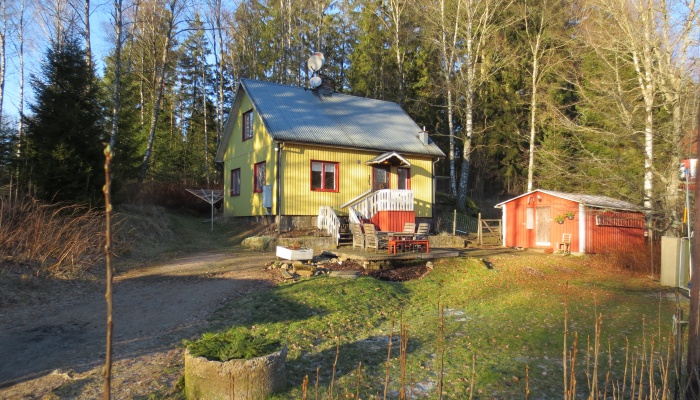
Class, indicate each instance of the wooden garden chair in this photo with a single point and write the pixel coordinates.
(565, 244)
(374, 239)
(422, 231)
(358, 238)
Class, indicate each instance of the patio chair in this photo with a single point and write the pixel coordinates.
(422, 231)
(358, 238)
(565, 244)
(409, 227)
(374, 239)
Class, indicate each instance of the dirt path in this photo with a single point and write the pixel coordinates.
(56, 350)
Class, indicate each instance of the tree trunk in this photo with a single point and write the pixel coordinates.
(160, 83)
(448, 69)
(533, 116)
(3, 47)
(88, 49)
(117, 73)
(466, 152)
(204, 110)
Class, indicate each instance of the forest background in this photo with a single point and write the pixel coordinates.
(586, 96)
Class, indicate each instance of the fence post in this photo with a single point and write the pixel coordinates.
(479, 233)
(454, 223)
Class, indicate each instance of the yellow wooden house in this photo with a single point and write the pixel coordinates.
(312, 156)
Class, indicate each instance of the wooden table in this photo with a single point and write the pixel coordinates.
(395, 242)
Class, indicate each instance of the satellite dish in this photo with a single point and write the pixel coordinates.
(315, 62)
(315, 82)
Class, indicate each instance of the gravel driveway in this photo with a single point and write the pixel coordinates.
(58, 348)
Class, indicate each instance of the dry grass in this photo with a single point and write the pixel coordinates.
(638, 260)
(63, 239)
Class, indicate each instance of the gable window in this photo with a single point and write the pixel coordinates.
(404, 178)
(248, 125)
(324, 176)
(259, 177)
(235, 182)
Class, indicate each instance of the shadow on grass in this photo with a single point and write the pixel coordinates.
(371, 352)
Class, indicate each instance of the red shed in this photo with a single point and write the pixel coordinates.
(597, 224)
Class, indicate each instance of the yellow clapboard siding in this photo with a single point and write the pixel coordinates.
(354, 179)
(244, 154)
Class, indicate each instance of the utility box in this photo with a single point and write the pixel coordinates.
(675, 263)
(267, 196)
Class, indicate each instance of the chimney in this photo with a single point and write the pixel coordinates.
(327, 85)
(423, 136)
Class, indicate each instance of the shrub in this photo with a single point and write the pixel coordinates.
(64, 239)
(231, 344)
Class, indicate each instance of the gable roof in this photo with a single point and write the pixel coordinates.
(296, 114)
(585, 199)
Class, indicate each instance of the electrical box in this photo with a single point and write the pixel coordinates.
(267, 196)
(675, 263)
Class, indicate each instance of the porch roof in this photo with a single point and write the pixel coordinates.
(386, 157)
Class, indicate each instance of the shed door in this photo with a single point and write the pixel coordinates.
(543, 227)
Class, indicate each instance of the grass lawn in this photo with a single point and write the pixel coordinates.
(506, 316)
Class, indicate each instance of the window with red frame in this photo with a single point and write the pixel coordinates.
(259, 177)
(404, 178)
(324, 176)
(248, 125)
(235, 182)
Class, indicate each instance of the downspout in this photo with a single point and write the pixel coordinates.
(278, 150)
(432, 181)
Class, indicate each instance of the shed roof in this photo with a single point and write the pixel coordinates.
(297, 114)
(585, 199)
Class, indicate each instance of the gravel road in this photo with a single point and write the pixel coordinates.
(57, 349)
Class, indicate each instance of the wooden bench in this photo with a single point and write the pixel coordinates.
(395, 243)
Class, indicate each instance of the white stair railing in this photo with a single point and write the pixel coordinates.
(352, 215)
(383, 200)
(329, 222)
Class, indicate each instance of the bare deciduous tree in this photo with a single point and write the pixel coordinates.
(480, 26)
(173, 10)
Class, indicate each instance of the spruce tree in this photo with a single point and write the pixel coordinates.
(66, 129)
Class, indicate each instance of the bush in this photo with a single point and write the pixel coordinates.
(232, 344)
(64, 239)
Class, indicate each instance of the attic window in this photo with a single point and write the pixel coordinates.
(248, 125)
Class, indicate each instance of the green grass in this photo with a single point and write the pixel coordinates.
(509, 318)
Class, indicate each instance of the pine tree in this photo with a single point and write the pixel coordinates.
(65, 130)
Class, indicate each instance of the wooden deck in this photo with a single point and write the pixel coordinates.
(382, 255)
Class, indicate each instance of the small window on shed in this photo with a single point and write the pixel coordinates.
(530, 218)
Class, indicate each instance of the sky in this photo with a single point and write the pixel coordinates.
(35, 47)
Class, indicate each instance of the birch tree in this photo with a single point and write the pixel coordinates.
(172, 10)
(480, 26)
(117, 21)
(678, 32)
(539, 20)
(623, 32)
(4, 22)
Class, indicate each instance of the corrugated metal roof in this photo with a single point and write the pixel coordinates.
(587, 200)
(296, 114)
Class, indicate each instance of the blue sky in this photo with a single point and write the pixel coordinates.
(35, 47)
